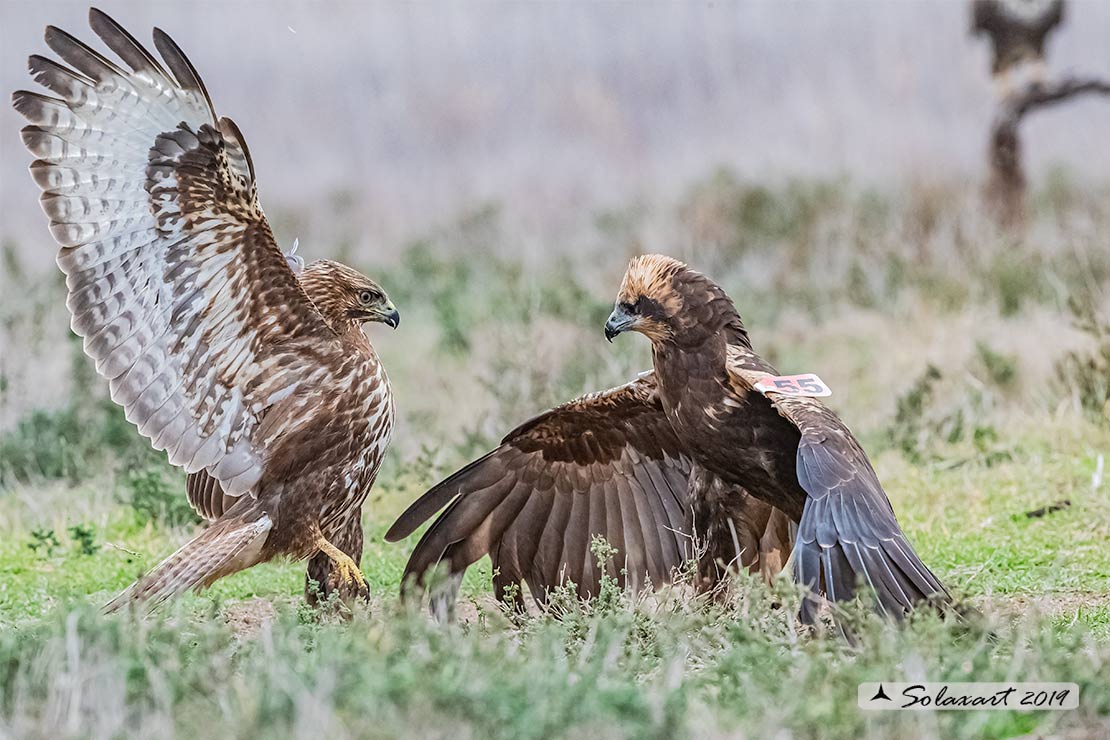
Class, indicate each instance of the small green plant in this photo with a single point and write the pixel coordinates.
(610, 595)
(155, 500)
(512, 604)
(908, 430)
(1086, 374)
(739, 215)
(562, 295)
(85, 538)
(71, 443)
(858, 288)
(1000, 369)
(418, 473)
(42, 445)
(564, 601)
(920, 431)
(44, 542)
(1014, 282)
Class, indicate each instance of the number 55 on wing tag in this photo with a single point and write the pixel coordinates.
(807, 384)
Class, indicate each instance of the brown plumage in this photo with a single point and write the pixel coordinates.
(260, 385)
(607, 464)
(1017, 29)
(792, 453)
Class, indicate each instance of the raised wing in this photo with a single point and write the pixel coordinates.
(848, 532)
(607, 464)
(175, 281)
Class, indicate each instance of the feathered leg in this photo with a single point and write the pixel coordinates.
(443, 597)
(344, 576)
(321, 581)
(231, 544)
(776, 544)
(734, 530)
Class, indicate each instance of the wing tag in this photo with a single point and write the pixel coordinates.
(807, 384)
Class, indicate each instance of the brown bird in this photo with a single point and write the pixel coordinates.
(790, 452)
(260, 384)
(1017, 30)
(696, 435)
(608, 464)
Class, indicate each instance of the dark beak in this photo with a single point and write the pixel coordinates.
(392, 318)
(618, 322)
(385, 314)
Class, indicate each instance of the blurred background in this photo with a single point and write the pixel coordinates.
(495, 164)
(414, 112)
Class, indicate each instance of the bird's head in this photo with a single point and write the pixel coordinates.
(665, 300)
(346, 296)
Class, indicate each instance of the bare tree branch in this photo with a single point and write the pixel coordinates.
(1005, 189)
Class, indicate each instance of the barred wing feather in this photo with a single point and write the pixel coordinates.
(183, 298)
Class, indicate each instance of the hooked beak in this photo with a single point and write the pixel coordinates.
(386, 314)
(618, 322)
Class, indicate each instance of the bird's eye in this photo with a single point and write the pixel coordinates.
(627, 307)
(366, 297)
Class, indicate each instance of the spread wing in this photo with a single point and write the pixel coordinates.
(175, 281)
(848, 532)
(606, 464)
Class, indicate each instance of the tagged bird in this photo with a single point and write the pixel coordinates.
(605, 465)
(258, 382)
(789, 451)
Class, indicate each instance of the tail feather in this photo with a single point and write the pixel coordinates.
(226, 547)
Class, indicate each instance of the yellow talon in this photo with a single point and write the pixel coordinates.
(345, 578)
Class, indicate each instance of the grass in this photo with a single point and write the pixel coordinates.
(662, 668)
(870, 288)
(246, 651)
(968, 518)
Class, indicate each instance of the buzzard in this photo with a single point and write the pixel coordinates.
(259, 382)
(608, 464)
(788, 451)
(1017, 30)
